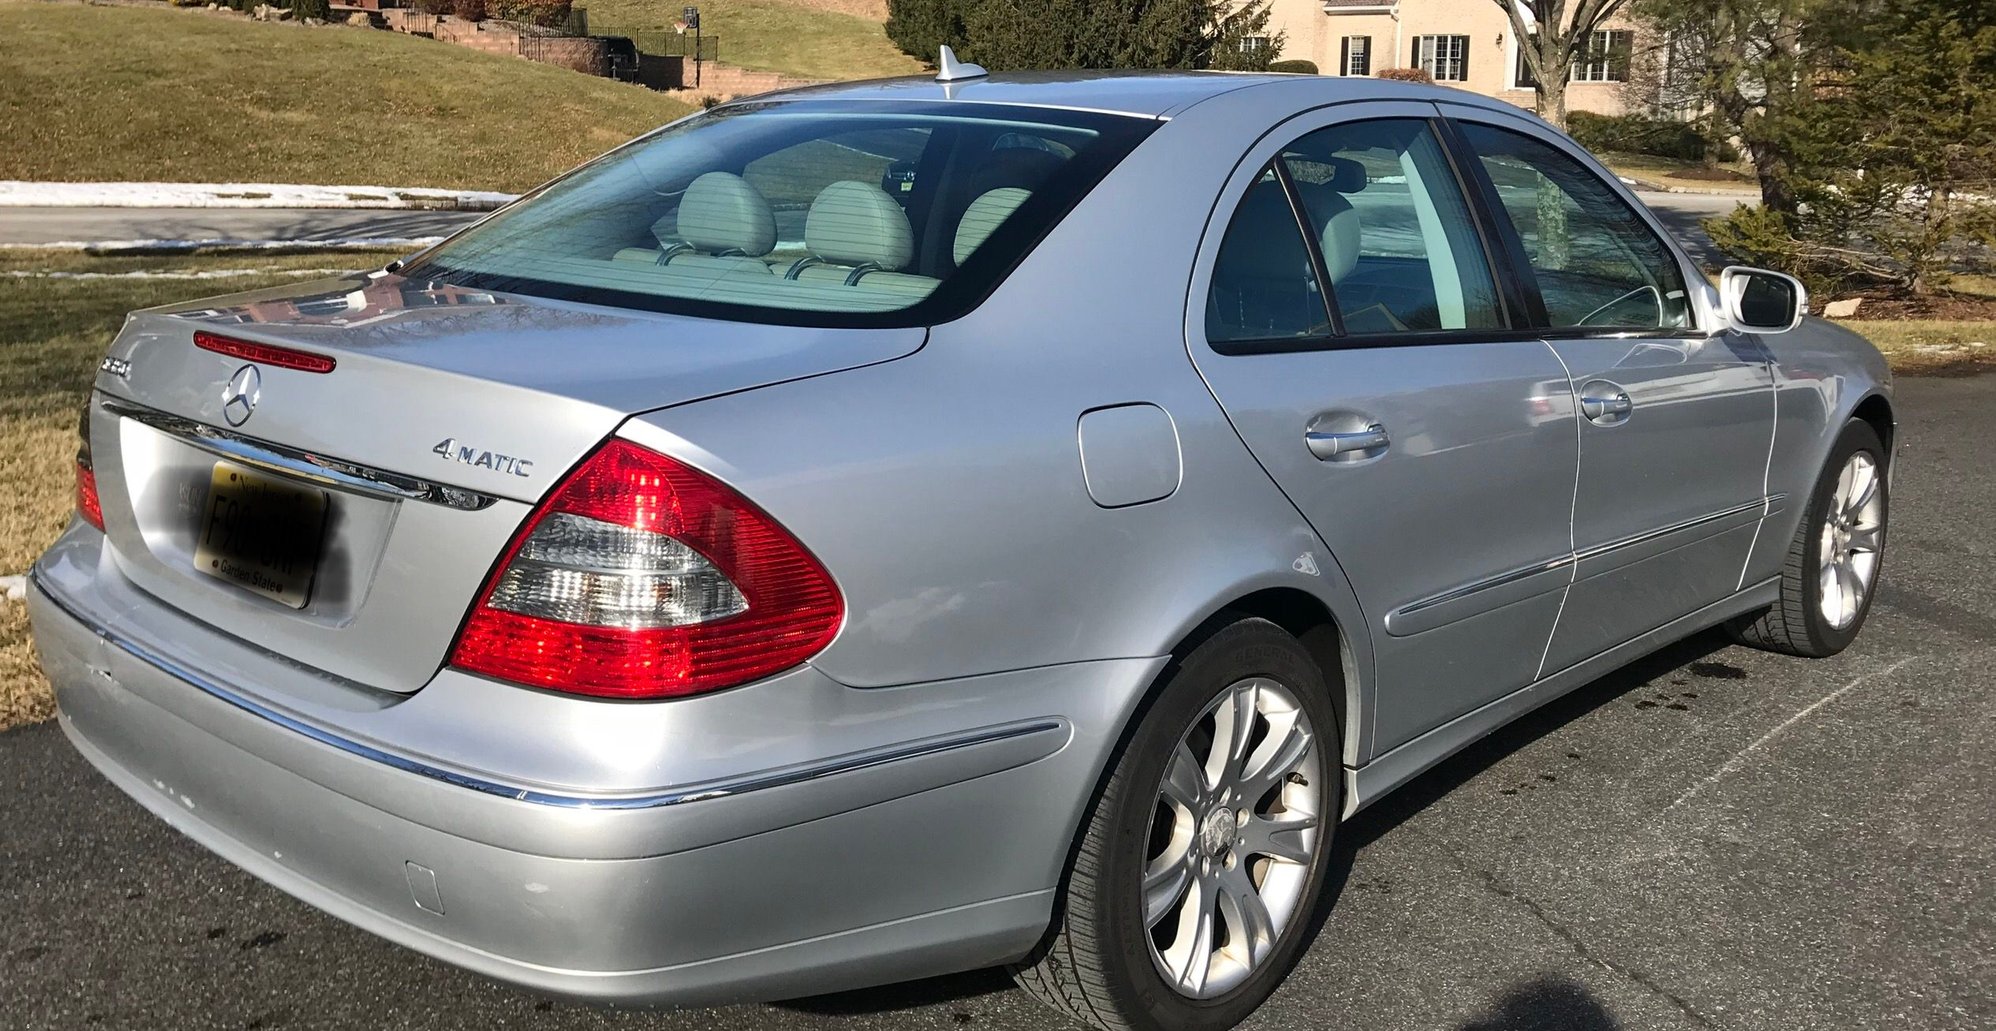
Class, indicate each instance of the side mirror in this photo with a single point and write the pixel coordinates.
(1758, 300)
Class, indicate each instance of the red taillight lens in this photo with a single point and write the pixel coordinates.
(87, 504)
(639, 577)
(263, 354)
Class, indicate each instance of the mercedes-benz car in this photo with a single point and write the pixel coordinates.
(886, 529)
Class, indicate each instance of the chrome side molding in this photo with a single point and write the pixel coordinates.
(324, 470)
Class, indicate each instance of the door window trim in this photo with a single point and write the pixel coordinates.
(1499, 223)
(1514, 324)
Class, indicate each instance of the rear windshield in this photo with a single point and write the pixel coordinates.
(812, 213)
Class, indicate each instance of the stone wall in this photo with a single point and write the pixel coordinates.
(589, 55)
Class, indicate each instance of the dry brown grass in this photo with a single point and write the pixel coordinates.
(1931, 348)
(52, 331)
(871, 10)
(24, 695)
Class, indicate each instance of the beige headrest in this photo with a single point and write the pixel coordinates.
(983, 218)
(853, 223)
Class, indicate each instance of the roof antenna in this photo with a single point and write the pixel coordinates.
(949, 69)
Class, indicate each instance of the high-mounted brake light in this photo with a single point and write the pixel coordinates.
(263, 354)
(640, 577)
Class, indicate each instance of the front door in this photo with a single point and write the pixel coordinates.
(1344, 313)
(1675, 419)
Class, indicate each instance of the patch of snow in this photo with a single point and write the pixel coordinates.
(142, 246)
(22, 193)
(216, 273)
(15, 587)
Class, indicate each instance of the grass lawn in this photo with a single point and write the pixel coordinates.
(1671, 172)
(52, 331)
(794, 37)
(129, 93)
(1917, 347)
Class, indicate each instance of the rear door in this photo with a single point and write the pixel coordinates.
(1344, 312)
(1675, 418)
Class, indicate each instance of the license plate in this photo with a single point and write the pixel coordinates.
(261, 534)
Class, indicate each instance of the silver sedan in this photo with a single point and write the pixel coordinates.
(878, 530)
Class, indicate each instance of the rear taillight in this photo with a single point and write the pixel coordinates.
(87, 504)
(640, 577)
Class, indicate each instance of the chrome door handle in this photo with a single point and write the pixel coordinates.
(1327, 446)
(1599, 408)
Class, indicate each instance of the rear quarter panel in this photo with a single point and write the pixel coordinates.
(945, 490)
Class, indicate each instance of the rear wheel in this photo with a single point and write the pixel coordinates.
(1831, 571)
(1201, 863)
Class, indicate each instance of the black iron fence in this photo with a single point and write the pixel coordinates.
(668, 43)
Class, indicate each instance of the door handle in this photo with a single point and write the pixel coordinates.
(1327, 446)
(1609, 409)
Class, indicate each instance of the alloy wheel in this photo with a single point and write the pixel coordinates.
(1853, 533)
(1238, 821)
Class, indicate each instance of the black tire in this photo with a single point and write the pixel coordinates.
(1095, 965)
(1795, 625)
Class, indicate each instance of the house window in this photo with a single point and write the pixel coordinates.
(1521, 76)
(1253, 44)
(1445, 57)
(1607, 57)
(1355, 55)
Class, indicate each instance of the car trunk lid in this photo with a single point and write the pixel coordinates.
(346, 519)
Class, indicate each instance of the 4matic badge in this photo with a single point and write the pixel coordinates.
(451, 451)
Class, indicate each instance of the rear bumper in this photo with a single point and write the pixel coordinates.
(856, 837)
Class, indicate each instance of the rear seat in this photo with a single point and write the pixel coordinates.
(724, 227)
(857, 236)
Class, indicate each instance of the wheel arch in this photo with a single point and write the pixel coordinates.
(1330, 641)
(1875, 409)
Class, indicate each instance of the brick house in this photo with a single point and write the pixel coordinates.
(1464, 43)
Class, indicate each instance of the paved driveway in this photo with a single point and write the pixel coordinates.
(1715, 838)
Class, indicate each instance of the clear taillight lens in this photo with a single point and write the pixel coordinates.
(581, 570)
(642, 578)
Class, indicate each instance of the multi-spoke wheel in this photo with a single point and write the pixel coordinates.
(1200, 864)
(1852, 536)
(1234, 837)
(1832, 566)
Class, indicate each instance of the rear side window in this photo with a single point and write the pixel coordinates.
(1398, 247)
(810, 213)
(1598, 265)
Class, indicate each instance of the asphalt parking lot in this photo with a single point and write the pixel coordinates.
(1714, 838)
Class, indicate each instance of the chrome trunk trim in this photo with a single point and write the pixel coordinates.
(323, 470)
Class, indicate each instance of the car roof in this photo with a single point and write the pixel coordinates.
(1150, 94)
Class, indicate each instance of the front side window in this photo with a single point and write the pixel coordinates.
(1598, 264)
(1444, 57)
(1392, 237)
(1355, 55)
(817, 213)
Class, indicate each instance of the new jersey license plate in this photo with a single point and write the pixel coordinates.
(261, 533)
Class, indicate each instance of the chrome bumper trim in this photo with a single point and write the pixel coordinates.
(290, 461)
(694, 793)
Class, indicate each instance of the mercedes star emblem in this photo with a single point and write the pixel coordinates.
(240, 395)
